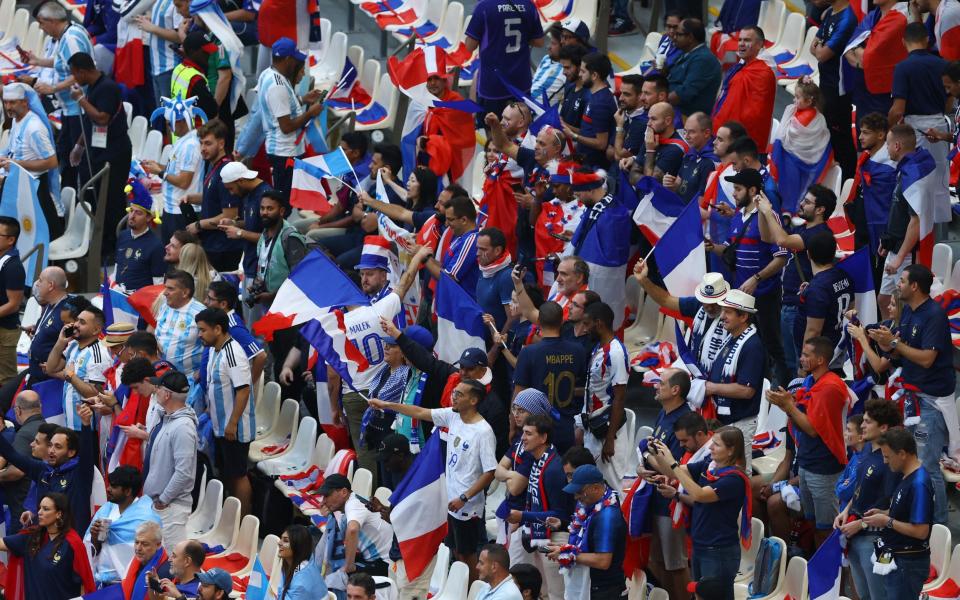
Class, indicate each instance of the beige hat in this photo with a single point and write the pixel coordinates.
(118, 333)
(739, 300)
(712, 289)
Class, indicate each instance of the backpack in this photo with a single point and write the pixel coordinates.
(766, 569)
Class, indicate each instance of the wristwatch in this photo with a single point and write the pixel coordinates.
(463, 498)
(893, 343)
(674, 465)
(863, 524)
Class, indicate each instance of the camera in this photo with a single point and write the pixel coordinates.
(257, 287)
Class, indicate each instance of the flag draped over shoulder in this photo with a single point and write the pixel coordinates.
(419, 514)
(918, 176)
(747, 95)
(801, 154)
(882, 39)
(212, 16)
(19, 201)
(499, 204)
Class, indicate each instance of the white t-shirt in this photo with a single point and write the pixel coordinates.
(471, 452)
(376, 535)
(608, 368)
(363, 329)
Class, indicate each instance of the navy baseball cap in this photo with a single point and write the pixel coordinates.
(583, 476)
(472, 357)
(420, 335)
(284, 47)
(217, 577)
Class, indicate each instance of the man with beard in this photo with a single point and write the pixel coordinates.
(719, 191)
(664, 145)
(695, 77)
(631, 119)
(815, 208)
(181, 578)
(707, 335)
(575, 93)
(593, 135)
(756, 266)
(110, 535)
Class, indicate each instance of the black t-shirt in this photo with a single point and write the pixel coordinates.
(14, 278)
(105, 96)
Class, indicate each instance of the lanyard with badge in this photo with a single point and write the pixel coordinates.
(98, 134)
(263, 260)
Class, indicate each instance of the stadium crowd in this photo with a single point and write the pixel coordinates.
(503, 328)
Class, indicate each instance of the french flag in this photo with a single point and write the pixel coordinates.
(51, 401)
(328, 334)
(419, 513)
(348, 94)
(19, 201)
(801, 154)
(680, 252)
(918, 178)
(459, 320)
(657, 210)
(686, 362)
(116, 308)
(142, 301)
(307, 188)
(824, 568)
(314, 286)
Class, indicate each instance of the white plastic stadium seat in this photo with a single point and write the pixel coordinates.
(128, 110)
(637, 586)
(18, 27)
(362, 483)
(207, 514)
(383, 495)
(427, 20)
(268, 552)
(355, 54)
(152, 146)
(225, 532)
(772, 19)
(387, 98)
(952, 571)
(75, 240)
(658, 594)
(804, 58)
(283, 433)
(138, 133)
(297, 455)
(7, 9)
(740, 589)
(940, 558)
(267, 408)
(942, 261)
(244, 544)
(789, 43)
(328, 71)
(455, 587)
(475, 588)
(451, 29)
(439, 577)
(748, 557)
(954, 278)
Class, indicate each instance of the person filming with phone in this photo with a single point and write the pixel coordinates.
(80, 359)
(718, 491)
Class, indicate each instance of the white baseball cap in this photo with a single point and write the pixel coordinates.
(234, 171)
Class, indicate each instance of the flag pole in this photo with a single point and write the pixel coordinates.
(352, 189)
(357, 179)
(494, 330)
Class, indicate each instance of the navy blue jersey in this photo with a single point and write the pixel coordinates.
(827, 296)
(917, 80)
(663, 431)
(495, 292)
(715, 523)
(926, 328)
(598, 119)
(139, 259)
(215, 199)
(875, 482)
(557, 367)
(49, 574)
(912, 503)
(12, 277)
(835, 32)
(791, 277)
(607, 532)
(574, 104)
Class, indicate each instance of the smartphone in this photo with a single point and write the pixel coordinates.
(154, 584)
(543, 549)
(70, 330)
(365, 502)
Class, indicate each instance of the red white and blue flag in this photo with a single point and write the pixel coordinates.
(314, 287)
(459, 320)
(680, 251)
(419, 513)
(307, 188)
(328, 334)
(348, 94)
(882, 38)
(116, 308)
(800, 157)
(946, 30)
(918, 181)
(657, 210)
(824, 568)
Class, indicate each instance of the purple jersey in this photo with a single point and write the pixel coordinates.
(504, 29)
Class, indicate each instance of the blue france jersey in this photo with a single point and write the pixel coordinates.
(74, 40)
(176, 333)
(88, 364)
(277, 99)
(228, 371)
(185, 156)
(162, 56)
(30, 140)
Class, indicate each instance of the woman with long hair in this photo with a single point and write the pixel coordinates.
(719, 492)
(194, 260)
(302, 579)
(421, 190)
(48, 561)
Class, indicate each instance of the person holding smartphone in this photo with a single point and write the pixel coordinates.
(719, 492)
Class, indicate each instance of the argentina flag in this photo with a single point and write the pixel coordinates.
(19, 200)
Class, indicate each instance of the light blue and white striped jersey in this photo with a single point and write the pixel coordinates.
(176, 333)
(30, 140)
(88, 364)
(73, 40)
(240, 333)
(278, 99)
(228, 370)
(548, 78)
(162, 56)
(185, 156)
